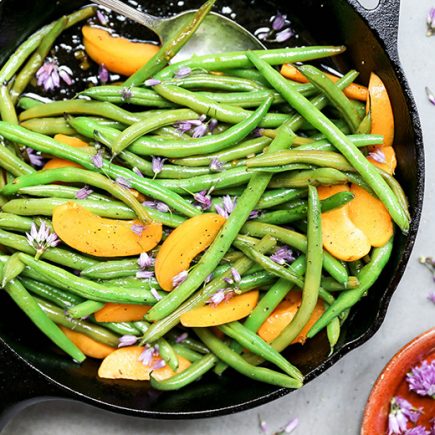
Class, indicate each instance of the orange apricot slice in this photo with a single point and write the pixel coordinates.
(112, 312)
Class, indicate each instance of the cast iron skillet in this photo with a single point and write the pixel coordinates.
(30, 370)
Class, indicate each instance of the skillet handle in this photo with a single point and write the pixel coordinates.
(384, 21)
(21, 385)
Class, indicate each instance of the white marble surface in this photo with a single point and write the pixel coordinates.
(333, 403)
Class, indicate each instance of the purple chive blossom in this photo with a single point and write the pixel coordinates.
(103, 74)
(216, 165)
(254, 214)
(289, 427)
(126, 94)
(137, 229)
(121, 181)
(182, 72)
(183, 127)
(279, 21)
(157, 205)
(127, 340)
(159, 364)
(430, 96)
(41, 239)
(417, 430)
(35, 159)
(262, 425)
(102, 18)
(217, 298)
(236, 275)
(430, 22)
(378, 156)
(145, 260)
(152, 82)
(208, 278)
(83, 193)
(199, 131)
(179, 278)
(257, 132)
(145, 274)
(401, 411)
(229, 281)
(97, 159)
(212, 124)
(149, 352)
(155, 294)
(157, 164)
(50, 75)
(284, 35)
(181, 337)
(431, 297)
(422, 379)
(282, 255)
(203, 199)
(227, 206)
(137, 172)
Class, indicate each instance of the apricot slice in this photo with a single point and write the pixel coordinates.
(87, 345)
(384, 153)
(370, 216)
(284, 314)
(236, 308)
(64, 163)
(381, 110)
(118, 55)
(112, 312)
(184, 244)
(61, 163)
(93, 235)
(353, 91)
(341, 237)
(124, 363)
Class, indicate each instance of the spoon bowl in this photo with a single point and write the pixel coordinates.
(217, 34)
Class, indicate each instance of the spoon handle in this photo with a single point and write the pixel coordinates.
(149, 21)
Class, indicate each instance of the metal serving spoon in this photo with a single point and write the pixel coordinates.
(217, 34)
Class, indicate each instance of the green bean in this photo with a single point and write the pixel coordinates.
(111, 269)
(11, 269)
(14, 63)
(12, 163)
(93, 331)
(131, 95)
(366, 124)
(61, 191)
(7, 109)
(231, 60)
(314, 177)
(120, 328)
(330, 284)
(132, 282)
(53, 294)
(333, 332)
(310, 292)
(368, 172)
(356, 266)
(31, 308)
(251, 341)
(11, 221)
(221, 112)
(208, 262)
(189, 342)
(135, 131)
(248, 73)
(174, 44)
(272, 198)
(367, 277)
(114, 209)
(398, 191)
(24, 77)
(278, 161)
(180, 148)
(86, 288)
(187, 376)
(242, 150)
(104, 109)
(165, 324)
(335, 95)
(168, 354)
(186, 352)
(147, 187)
(84, 309)
(31, 100)
(48, 126)
(80, 176)
(235, 361)
(273, 297)
(244, 100)
(298, 241)
(57, 255)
